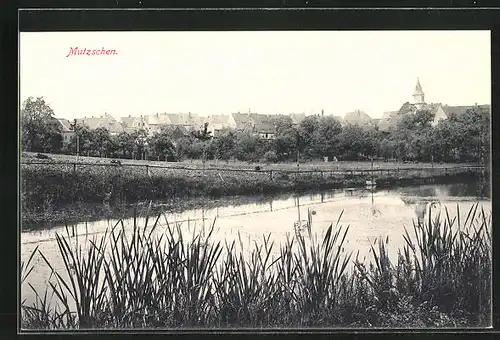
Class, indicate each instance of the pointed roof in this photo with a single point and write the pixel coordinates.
(65, 124)
(357, 117)
(418, 88)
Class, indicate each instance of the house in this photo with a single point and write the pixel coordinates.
(460, 110)
(390, 119)
(187, 121)
(66, 129)
(297, 118)
(106, 121)
(156, 121)
(218, 123)
(257, 124)
(358, 117)
(132, 123)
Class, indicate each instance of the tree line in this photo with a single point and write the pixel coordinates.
(459, 138)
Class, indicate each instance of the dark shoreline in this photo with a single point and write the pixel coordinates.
(92, 211)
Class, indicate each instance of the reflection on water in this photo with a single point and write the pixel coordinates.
(370, 214)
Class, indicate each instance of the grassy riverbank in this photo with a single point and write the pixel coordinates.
(441, 279)
(48, 190)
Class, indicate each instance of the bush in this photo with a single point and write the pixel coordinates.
(271, 156)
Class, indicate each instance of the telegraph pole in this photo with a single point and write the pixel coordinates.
(77, 140)
(298, 150)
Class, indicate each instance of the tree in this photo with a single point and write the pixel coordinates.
(203, 136)
(413, 135)
(162, 145)
(40, 131)
(126, 144)
(101, 144)
(326, 136)
(353, 142)
(141, 143)
(246, 147)
(224, 145)
(282, 123)
(307, 137)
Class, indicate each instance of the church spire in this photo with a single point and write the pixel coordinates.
(418, 95)
(418, 88)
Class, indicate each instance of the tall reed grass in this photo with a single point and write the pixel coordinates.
(147, 278)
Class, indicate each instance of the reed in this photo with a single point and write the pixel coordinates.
(157, 275)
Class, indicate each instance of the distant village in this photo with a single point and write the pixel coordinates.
(262, 125)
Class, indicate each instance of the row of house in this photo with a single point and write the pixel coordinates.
(181, 123)
(261, 125)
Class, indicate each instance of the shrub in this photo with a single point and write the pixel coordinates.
(271, 156)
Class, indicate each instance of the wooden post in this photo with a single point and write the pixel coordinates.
(271, 175)
(74, 167)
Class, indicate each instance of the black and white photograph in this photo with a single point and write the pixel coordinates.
(290, 179)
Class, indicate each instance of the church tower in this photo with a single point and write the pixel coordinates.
(418, 96)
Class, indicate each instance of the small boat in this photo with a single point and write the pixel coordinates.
(371, 183)
(349, 191)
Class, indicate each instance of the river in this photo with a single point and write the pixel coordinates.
(371, 214)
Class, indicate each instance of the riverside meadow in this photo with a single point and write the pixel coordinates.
(60, 181)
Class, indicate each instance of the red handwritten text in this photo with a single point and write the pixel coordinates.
(90, 51)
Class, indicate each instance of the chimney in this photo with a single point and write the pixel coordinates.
(322, 112)
(128, 116)
(156, 114)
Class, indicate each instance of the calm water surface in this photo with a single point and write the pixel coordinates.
(370, 214)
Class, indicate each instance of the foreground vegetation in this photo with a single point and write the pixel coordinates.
(166, 279)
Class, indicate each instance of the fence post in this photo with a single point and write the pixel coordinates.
(271, 175)
(322, 174)
(74, 167)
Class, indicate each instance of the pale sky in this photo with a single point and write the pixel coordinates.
(266, 72)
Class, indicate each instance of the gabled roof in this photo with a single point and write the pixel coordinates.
(106, 122)
(339, 119)
(65, 125)
(256, 122)
(218, 119)
(262, 123)
(297, 118)
(460, 110)
(357, 117)
(388, 120)
(183, 118)
(130, 120)
(158, 119)
(242, 120)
